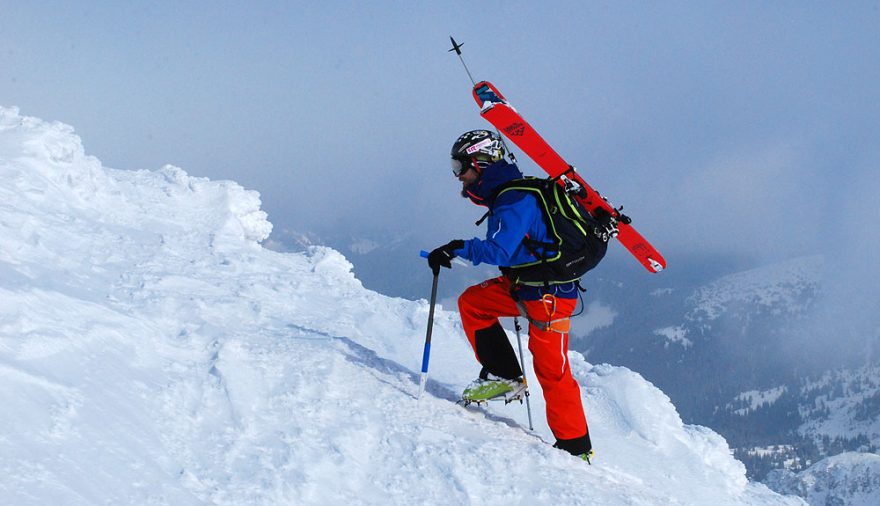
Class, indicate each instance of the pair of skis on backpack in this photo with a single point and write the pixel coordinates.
(496, 110)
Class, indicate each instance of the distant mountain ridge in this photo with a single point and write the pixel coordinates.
(851, 479)
(739, 354)
(787, 288)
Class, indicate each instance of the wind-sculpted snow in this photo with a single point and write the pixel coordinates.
(152, 352)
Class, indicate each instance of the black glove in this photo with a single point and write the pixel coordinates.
(443, 256)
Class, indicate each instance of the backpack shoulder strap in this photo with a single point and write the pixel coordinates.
(527, 184)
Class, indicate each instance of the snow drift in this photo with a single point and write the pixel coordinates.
(152, 352)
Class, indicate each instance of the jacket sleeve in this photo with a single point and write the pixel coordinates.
(508, 226)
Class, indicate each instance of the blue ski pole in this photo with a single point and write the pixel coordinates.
(427, 353)
(423, 380)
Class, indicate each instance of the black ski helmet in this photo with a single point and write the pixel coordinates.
(477, 148)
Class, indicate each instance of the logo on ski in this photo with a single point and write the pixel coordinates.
(515, 130)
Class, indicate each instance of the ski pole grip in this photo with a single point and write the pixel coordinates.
(456, 260)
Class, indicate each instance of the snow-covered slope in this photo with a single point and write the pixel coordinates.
(152, 352)
(844, 404)
(850, 478)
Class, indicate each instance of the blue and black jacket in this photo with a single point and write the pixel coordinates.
(513, 216)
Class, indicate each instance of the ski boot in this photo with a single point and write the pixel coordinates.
(494, 389)
(576, 448)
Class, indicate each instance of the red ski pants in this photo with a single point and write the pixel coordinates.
(481, 306)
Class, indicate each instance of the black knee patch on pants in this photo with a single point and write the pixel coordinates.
(495, 352)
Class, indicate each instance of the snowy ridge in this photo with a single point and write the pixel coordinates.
(152, 352)
(849, 478)
(779, 288)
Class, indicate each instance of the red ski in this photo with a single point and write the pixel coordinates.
(500, 113)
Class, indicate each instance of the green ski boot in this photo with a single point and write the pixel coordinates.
(483, 390)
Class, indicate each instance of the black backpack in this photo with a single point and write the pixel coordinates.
(580, 240)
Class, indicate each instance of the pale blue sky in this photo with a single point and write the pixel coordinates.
(739, 127)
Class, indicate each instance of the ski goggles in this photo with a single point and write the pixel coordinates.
(461, 165)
